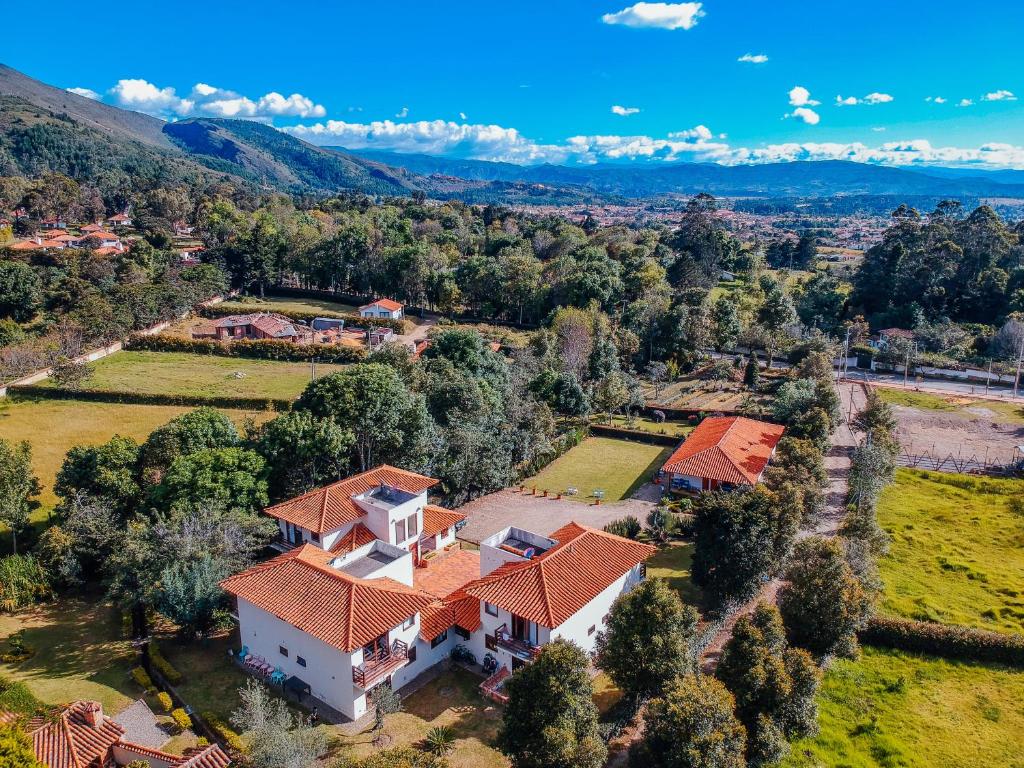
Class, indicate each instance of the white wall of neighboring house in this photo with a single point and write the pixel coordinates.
(381, 312)
(577, 627)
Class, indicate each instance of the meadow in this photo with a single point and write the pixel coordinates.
(284, 305)
(995, 410)
(618, 467)
(956, 553)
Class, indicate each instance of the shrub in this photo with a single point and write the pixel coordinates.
(626, 527)
(16, 697)
(22, 582)
(952, 642)
(141, 676)
(224, 732)
(257, 349)
(19, 649)
(181, 719)
(440, 740)
(163, 666)
(165, 701)
(153, 398)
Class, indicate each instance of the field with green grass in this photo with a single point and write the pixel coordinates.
(642, 424)
(180, 373)
(957, 552)
(673, 563)
(994, 410)
(284, 305)
(618, 467)
(889, 709)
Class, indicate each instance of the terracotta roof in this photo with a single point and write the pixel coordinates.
(108, 250)
(100, 234)
(274, 325)
(553, 586)
(437, 519)
(730, 449)
(331, 507)
(92, 228)
(26, 245)
(458, 609)
(387, 304)
(211, 756)
(118, 217)
(68, 740)
(358, 537)
(900, 333)
(302, 589)
(441, 576)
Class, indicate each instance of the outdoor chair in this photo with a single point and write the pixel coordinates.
(277, 677)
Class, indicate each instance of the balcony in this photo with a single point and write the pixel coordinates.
(519, 648)
(380, 664)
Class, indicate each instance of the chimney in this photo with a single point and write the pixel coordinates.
(94, 714)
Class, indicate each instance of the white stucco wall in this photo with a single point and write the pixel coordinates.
(593, 613)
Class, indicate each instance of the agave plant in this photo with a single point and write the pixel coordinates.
(440, 740)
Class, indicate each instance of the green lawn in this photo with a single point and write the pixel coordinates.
(285, 305)
(895, 710)
(672, 428)
(79, 654)
(618, 467)
(179, 373)
(673, 563)
(54, 426)
(956, 554)
(994, 410)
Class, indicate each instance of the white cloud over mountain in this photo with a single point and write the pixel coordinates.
(88, 93)
(657, 16)
(210, 101)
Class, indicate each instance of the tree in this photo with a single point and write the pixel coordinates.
(875, 415)
(231, 477)
(389, 422)
(647, 641)
(69, 374)
(774, 314)
(740, 537)
(18, 487)
(275, 737)
(550, 720)
(611, 393)
(567, 395)
(197, 430)
(751, 373)
(16, 749)
(693, 726)
(106, 472)
(190, 594)
(727, 322)
(302, 452)
(19, 291)
(385, 702)
(823, 604)
(657, 374)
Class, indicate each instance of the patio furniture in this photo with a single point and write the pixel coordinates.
(244, 653)
(277, 676)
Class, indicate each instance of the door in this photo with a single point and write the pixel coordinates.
(524, 630)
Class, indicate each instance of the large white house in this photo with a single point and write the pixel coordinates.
(357, 607)
(387, 308)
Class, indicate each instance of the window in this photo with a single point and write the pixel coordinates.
(282, 650)
(412, 525)
(464, 634)
(412, 653)
(604, 619)
(399, 531)
(300, 661)
(490, 643)
(643, 570)
(593, 628)
(409, 622)
(314, 536)
(490, 609)
(439, 639)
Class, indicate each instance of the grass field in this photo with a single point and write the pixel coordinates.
(179, 373)
(894, 710)
(54, 426)
(956, 554)
(672, 428)
(285, 305)
(79, 654)
(618, 467)
(673, 563)
(993, 410)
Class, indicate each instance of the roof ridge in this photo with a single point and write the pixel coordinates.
(323, 506)
(544, 593)
(72, 747)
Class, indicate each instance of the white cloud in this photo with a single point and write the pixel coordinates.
(624, 111)
(1000, 95)
(870, 99)
(806, 114)
(801, 97)
(88, 93)
(402, 113)
(878, 128)
(698, 144)
(753, 58)
(935, 99)
(462, 115)
(205, 99)
(657, 16)
(965, 103)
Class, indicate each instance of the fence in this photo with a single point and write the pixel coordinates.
(956, 464)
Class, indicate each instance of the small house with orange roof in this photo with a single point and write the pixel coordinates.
(722, 453)
(387, 308)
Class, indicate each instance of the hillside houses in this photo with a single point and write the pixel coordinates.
(354, 602)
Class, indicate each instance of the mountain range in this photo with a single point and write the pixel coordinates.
(47, 129)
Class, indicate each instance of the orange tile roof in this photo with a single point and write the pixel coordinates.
(358, 537)
(25, 245)
(443, 575)
(211, 756)
(387, 304)
(458, 609)
(730, 449)
(331, 507)
(437, 519)
(555, 585)
(302, 589)
(68, 740)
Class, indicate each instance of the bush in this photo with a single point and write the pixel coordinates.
(22, 582)
(256, 349)
(163, 666)
(153, 398)
(141, 676)
(626, 527)
(951, 642)
(224, 732)
(16, 697)
(440, 740)
(19, 650)
(165, 701)
(181, 719)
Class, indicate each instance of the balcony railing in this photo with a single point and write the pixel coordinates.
(520, 648)
(380, 664)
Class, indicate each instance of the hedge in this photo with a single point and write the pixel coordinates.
(165, 701)
(16, 697)
(636, 435)
(152, 398)
(162, 665)
(948, 641)
(254, 349)
(181, 719)
(559, 446)
(224, 732)
(216, 311)
(142, 677)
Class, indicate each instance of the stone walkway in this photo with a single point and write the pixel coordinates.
(141, 726)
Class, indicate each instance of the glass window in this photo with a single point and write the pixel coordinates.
(411, 525)
(409, 622)
(490, 609)
(300, 661)
(399, 531)
(314, 536)
(439, 639)
(593, 628)
(282, 650)
(412, 653)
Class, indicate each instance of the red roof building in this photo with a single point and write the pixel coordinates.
(382, 308)
(722, 452)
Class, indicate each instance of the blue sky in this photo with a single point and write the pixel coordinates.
(569, 82)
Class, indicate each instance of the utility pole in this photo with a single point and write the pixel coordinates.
(988, 378)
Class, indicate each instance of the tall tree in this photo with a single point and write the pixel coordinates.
(18, 487)
(19, 291)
